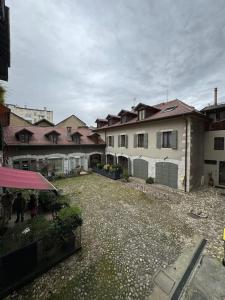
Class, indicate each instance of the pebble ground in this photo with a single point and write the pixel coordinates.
(127, 236)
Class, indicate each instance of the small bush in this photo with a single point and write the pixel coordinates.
(47, 200)
(70, 216)
(150, 180)
(100, 166)
(125, 175)
(106, 167)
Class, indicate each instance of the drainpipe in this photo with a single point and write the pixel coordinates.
(185, 167)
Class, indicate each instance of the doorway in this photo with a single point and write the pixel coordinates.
(222, 173)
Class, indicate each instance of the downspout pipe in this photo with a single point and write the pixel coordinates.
(185, 166)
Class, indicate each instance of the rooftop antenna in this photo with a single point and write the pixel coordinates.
(167, 94)
(134, 100)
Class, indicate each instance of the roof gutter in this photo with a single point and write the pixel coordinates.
(152, 120)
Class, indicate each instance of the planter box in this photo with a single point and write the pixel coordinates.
(113, 175)
(24, 264)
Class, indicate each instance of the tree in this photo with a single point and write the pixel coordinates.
(2, 94)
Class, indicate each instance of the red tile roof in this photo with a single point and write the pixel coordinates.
(180, 108)
(39, 136)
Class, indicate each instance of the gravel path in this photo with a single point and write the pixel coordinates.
(127, 236)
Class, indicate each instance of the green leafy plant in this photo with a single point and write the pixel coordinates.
(106, 167)
(125, 175)
(150, 180)
(100, 165)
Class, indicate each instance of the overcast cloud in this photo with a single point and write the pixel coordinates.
(94, 57)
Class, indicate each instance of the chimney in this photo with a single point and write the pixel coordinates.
(215, 96)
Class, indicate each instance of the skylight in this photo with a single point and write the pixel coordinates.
(169, 109)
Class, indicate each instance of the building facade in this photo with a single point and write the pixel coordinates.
(31, 115)
(164, 141)
(214, 150)
(57, 149)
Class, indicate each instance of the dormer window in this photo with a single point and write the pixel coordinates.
(112, 119)
(141, 115)
(101, 122)
(126, 115)
(124, 119)
(76, 137)
(24, 135)
(53, 136)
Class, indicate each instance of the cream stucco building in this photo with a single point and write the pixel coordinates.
(165, 142)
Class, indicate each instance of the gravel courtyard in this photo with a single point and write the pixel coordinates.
(127, 236)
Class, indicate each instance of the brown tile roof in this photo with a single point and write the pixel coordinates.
(39, 136)
(165, 111)
(43, 120)
(124, 112)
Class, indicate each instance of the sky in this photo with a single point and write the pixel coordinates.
(94, 57)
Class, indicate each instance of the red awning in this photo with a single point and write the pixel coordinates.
(20, 179)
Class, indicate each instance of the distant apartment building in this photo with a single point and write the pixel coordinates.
(32, 115)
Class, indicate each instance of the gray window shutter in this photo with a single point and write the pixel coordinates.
(135, 140)
(145, 140)
(174, 139)
(118, 140)
(126, 141)
(112, 141)
(159, 140)
(107, 141)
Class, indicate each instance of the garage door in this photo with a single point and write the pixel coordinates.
(166, 173)
(140, 168)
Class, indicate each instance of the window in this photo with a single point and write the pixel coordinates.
(218, 143)
(123, 140)
(166, 142)
(24, 138)
(210, 162)
(124, 119)
(169, 109)
(110, 141)
(56, 165)
(76, 138)
(69, 128)
(141, 114)
(53, 138)
(140, 140)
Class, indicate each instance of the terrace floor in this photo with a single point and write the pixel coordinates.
(127, 236)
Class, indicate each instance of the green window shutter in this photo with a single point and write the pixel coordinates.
(126, 141)
(135, 140)
(112, 141)
(145, 140)
(174, 139)
(159, 140)
(118, 140)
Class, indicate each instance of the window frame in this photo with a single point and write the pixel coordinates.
(219, 143)
(141, 114)
(110, 141)
(167, 139)
(140, 140)
(123, 140)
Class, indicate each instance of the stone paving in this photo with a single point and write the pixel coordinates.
(127, 236)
